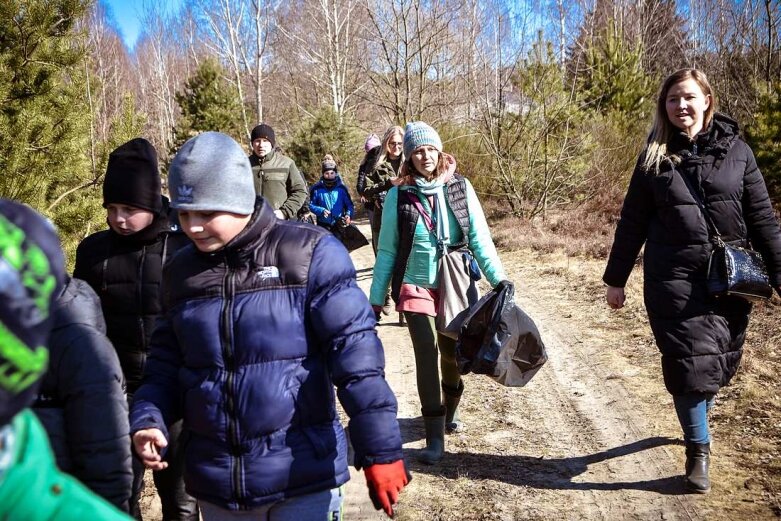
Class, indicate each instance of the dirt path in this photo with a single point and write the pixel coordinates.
(593, 436)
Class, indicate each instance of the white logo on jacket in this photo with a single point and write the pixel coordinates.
(267, 272)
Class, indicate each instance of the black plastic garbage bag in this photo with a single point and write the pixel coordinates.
(350, 235)
(499, 340)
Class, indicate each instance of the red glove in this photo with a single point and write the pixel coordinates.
(385, 481)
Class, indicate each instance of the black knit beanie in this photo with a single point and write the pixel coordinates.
(132, 177)
(264, 131)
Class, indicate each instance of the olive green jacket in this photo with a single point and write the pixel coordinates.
(279, 182)
(378, 182)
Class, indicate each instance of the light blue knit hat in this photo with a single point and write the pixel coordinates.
(211, 173)
(417, 134)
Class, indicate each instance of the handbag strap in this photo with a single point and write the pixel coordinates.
(712, 229)
(428, 221)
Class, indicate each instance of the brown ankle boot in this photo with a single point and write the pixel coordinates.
(697, 464)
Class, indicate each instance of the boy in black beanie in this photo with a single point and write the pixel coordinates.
(124, 265)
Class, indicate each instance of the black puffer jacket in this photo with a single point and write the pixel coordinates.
(82, 401)
(700, 338)
(125, 272)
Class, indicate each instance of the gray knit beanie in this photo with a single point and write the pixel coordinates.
(211, 173)
(417, 134)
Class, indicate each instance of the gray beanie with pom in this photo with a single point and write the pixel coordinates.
(211, 173)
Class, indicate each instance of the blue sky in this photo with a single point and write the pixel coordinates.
(125, 14)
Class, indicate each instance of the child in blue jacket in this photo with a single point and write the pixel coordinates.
(329, 199)
(262, 319)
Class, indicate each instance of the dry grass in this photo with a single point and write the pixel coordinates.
(747, 422)
(585, 230)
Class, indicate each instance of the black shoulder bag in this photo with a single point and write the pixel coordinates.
(732, 270)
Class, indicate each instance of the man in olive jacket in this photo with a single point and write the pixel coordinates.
(276, 176)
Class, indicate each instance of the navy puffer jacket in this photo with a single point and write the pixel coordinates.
(253, 340)
(82, 383)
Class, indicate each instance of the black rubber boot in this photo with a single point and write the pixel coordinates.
(435, 440)
(452, 396)
(388, 306)
(697, 464)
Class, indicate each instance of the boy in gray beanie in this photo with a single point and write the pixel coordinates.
(263, 317)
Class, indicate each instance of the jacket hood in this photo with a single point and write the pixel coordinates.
(78, 304)
(717, 138)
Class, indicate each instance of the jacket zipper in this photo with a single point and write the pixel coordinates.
(228, 356)
(140, 297)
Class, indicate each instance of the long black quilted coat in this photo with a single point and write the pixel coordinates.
(700, 337)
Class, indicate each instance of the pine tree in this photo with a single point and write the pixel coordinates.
(613, 80)
(325, 134)
(44, 126)
(208, 103)
(765, 139)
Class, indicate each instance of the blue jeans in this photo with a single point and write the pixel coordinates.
(692, 410)
(318, 506)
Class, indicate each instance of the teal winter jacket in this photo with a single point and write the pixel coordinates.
(423, 260)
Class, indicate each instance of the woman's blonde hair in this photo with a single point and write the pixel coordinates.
(663, 130)
(392, 131)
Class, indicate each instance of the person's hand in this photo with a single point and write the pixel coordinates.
(396, 181)
(363, 199)
(377, 312)
(326, 213)
(279, 214)
(385, 481)
(347, 220)
(147, 444)
(615, 297)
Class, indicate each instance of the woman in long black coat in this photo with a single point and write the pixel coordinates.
(700, 337)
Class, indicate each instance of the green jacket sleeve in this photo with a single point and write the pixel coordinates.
(296, 193)
(378, 180)
(480, 242)
(387, 249)
(34, 489)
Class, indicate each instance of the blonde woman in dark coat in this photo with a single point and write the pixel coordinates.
(700, 337)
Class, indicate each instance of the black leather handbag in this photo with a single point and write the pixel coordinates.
(732, 269)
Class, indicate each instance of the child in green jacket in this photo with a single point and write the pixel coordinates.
(31, 276)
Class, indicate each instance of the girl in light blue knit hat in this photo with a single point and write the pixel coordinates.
(432, 210)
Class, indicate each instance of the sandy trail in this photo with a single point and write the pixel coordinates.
(571, 444)
(588, 438)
